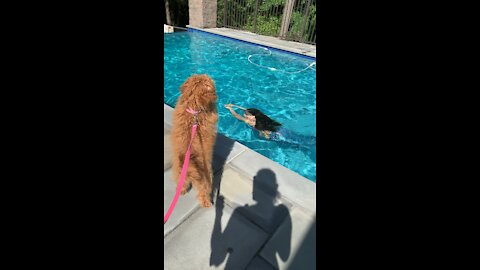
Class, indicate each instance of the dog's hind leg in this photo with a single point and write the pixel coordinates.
(204, 188)
(202, 184)
(204, 192)
(177, 164)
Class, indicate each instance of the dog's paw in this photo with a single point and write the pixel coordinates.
(205, 203)
(186, 189)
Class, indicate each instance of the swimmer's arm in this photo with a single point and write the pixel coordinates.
(231, 104)
(241, 108)
(236, 115)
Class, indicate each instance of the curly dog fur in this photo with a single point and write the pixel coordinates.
(198, 93)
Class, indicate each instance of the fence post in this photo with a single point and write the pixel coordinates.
(167, 11)
(287, 16)
(255, 17)
(305, 20)
(224, 13)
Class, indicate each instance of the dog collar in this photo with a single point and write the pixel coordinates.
(189, 110)
(194, 113)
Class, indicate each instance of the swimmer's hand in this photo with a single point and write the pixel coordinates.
(229, 106)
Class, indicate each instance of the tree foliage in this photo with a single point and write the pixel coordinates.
(241, 15)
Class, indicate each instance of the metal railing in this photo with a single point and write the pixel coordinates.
(287, 19)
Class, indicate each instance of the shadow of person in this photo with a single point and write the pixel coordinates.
(267, 213)
(306, 255)
(223, 147)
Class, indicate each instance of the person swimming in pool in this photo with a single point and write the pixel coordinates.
(270, 129)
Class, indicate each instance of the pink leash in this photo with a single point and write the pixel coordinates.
(184, 169)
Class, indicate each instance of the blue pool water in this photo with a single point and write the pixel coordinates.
(287, 98)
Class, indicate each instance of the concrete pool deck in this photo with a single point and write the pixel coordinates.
(273, 42)
(265, 218)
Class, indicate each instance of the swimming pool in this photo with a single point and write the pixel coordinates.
(282, 94)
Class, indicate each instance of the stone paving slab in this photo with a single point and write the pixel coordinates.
(273, 42)
(186, 205)
(167, 150)
(167, 115)
(195, 245)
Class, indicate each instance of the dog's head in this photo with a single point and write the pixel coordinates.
(199, 91)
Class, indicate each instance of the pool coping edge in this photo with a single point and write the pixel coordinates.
(269, 45)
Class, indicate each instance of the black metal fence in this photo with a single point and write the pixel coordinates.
(287, 19)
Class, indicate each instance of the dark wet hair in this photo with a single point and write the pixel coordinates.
(263, 122)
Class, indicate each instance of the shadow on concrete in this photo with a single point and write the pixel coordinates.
(223, 248)
(305, 257)
(223, 147)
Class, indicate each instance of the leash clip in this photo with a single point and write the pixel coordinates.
(194, 113)
(195, 119)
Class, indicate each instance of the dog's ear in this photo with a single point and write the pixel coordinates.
(185, 86)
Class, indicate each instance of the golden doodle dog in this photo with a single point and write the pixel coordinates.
(198, 94)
